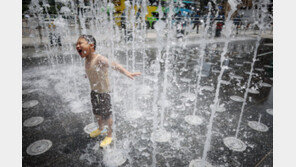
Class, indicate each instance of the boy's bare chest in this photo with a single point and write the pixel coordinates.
(92, 66)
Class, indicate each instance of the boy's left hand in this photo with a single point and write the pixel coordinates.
(132, 75)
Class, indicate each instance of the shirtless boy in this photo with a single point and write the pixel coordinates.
(96, 68)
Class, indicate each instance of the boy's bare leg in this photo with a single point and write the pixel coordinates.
(110, 122)
(100, 122)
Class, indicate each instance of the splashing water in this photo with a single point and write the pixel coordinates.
(179, 77)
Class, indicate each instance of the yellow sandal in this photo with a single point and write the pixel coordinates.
(106, 142)
(97, 132)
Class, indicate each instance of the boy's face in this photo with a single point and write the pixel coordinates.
(83, 47)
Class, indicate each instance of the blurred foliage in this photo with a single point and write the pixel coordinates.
(25, 5)
(51, 10)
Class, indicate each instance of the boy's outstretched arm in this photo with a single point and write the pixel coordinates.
(119, 68)
(122, 70)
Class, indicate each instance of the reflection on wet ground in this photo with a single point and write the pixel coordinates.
(62, 99)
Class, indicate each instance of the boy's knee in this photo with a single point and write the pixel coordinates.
(110, 121)
(98, 117)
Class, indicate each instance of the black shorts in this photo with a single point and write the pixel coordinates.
(101, 104)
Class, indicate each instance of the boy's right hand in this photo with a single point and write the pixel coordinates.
(132, 75)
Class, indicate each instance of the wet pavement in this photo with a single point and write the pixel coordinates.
(58, 84)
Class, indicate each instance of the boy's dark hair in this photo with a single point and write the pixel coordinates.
(90, 39)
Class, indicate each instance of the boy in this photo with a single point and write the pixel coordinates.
(96, 68)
